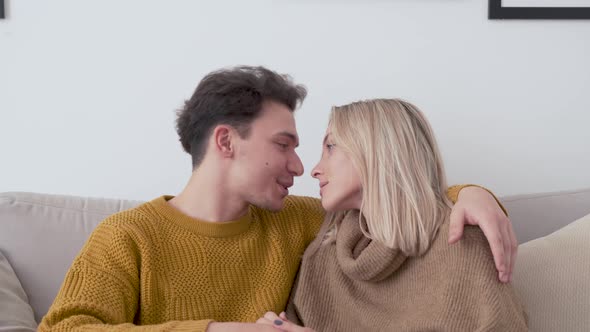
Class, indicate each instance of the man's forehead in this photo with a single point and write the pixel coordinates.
(276, 119)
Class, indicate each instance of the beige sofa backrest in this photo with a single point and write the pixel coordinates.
(41, 234)
(537, 215)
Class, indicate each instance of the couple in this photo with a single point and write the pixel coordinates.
(228, 248)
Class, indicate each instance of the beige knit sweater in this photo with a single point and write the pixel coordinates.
(355, 284)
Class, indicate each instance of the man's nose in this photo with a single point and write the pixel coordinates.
(296, 166)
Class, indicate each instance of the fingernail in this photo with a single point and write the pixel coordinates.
(278, 322)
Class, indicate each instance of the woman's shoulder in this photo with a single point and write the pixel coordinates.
(467, 269)
(472, 250)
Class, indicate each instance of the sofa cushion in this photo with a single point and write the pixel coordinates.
(15, 312)
(41, 235)
(552, 275)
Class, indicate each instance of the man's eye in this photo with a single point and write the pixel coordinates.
(282, 145)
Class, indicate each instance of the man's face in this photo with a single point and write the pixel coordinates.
(266, 162)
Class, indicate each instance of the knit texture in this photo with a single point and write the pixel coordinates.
(355, 284)
(453, 194)
(156, 267)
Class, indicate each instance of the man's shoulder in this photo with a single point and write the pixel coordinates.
(299, 213)
(133, 214)
(132, 220)
(304, 205)
(124, 232)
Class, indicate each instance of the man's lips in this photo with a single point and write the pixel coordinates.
(285, 186)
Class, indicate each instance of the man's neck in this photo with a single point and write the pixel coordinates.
(206, 197)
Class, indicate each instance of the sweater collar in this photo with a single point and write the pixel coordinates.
(198, 226)
(360, 257)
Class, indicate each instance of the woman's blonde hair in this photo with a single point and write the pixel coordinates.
(392, 146)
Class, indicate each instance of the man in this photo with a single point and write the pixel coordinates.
(227, 248)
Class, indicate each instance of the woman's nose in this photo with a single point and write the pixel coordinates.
(315, 172)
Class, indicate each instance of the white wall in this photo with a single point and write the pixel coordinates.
(88, 89)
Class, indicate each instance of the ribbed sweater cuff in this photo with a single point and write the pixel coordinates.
(453, 194)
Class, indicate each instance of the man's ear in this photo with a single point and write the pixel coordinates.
(223, 138)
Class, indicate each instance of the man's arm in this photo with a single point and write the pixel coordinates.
(476, 205)
(101, 289)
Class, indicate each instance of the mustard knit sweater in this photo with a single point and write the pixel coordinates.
(156, 267)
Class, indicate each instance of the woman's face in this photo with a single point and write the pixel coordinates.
(340, 184)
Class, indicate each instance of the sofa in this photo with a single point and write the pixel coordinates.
(40, 234)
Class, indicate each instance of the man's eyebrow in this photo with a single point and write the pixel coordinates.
(291, 136)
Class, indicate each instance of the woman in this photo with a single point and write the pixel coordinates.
(381, 261)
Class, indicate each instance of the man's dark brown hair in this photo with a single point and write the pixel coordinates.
(232, 96)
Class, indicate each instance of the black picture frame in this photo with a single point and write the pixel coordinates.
(497, 11)
(2, 12)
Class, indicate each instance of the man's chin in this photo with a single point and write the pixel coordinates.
(277, 207)
(274, 206)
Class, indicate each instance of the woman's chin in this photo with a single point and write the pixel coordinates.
(330, 206)
(326, 206)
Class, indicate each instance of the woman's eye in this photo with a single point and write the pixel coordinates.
(330, 146)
